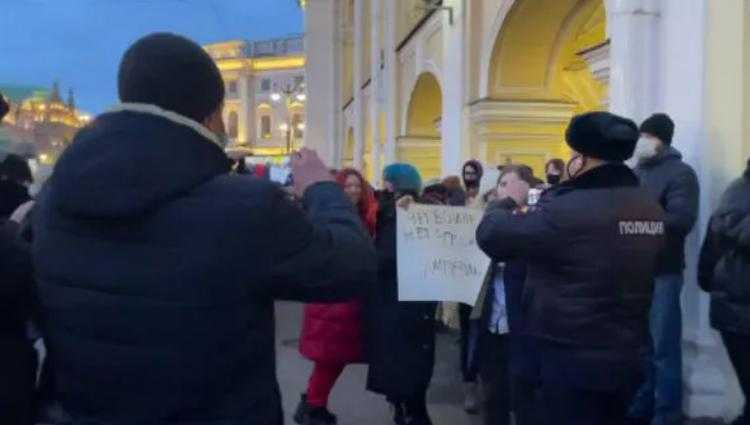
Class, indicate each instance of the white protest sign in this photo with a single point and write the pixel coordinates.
(438, 257)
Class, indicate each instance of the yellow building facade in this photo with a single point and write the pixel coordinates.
(438, 82)
(40, 122)
(264, 108)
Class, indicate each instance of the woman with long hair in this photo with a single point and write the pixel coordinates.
(332, 333)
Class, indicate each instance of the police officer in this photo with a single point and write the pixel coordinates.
(591, 245)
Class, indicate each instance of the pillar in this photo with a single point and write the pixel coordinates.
(376, 90)
(357, 82)
(390, 83)
(323, 79)
(633, 29)
(452, 122)
(246, 113)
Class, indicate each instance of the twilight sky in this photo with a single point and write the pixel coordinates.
(80, 42)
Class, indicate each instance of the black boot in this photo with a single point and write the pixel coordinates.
(320, 416)
(398, 413)
(415, 413)
(302, 409)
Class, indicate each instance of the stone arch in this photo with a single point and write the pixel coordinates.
(421, 142)
(505, 14)
(535, 77)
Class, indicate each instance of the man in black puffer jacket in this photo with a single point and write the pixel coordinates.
(724, 271)
(591, 247)
(674, 185)
(158, 269)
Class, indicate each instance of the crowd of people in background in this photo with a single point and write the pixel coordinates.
(132, 262)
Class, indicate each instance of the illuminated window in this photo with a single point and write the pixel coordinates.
(265, 126)
(232, 124)
(232, 88)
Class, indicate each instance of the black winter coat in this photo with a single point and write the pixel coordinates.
(17, 355)
(590, 246)
(674, 184)
(158, 271)
(12, 196)
(724, 267)
(400, 336)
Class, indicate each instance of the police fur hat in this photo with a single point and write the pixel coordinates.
(602, 135)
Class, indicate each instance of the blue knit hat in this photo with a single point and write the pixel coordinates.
(404, 177)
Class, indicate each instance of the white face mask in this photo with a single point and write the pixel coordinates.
(645, 148)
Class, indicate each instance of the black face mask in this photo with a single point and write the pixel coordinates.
(553, 179)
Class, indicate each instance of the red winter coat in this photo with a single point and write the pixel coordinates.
(332, 333)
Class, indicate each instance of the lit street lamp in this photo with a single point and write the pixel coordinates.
(290, 94)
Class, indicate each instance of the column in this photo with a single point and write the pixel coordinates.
(323, 79)
(633, 26)
(376, 90)
(708, 93)
(357, 82)
(452, 122)
(390, 82)
(247, 109)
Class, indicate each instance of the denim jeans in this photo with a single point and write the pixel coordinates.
(660, 395)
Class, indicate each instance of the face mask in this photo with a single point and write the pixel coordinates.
(553, 179)
(645, 148)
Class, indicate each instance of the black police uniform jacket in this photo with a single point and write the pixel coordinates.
(158, 270)
(591, 247)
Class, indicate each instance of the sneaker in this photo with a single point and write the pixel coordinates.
(471, 398)
(302, 408)
(320, 416)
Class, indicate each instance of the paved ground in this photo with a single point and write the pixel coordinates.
(350, 401)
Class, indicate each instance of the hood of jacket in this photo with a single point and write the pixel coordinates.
(132, 160)
(732, 217)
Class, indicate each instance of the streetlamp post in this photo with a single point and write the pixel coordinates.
(289, 94)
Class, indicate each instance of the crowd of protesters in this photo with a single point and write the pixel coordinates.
(150, 267)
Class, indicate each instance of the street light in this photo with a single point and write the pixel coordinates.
(290, 94)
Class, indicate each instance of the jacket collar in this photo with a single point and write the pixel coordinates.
(606, 176)
(132, 160)
(146, 108)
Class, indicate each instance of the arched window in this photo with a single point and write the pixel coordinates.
(232, 124)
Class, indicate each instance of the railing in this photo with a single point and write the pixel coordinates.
(277, 47)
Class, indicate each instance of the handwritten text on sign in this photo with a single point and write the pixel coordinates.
(438, 258)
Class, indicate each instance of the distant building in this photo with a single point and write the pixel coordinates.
(40, 123)
(264, 110)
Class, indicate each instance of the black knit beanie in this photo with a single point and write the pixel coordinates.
(602, 135)
(661, 126)
(173, 73)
